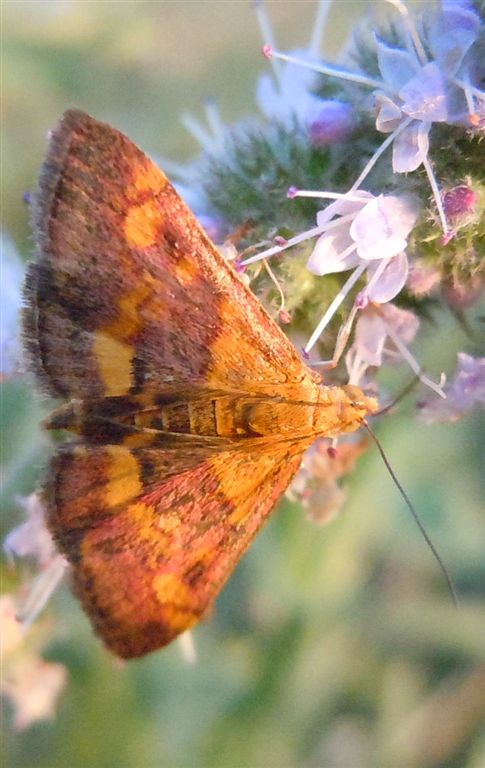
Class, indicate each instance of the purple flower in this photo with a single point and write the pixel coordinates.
(334, 123)
(11, 300)
(466, 391)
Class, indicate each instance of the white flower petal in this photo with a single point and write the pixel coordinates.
(13, 272)
(397, 66)
(327, 258)
(410, 148)
(401, 212)
(424, 97)
(370, 337)
(404, 323)
(451, 35)
(342, 207)
(379, 229)
(390, 282)
(388, 115)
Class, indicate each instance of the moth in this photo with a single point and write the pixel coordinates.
(188, 408)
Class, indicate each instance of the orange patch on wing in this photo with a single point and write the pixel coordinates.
(177, 600)
(149, 178)
(143, 223)
(123, 480)
(186, 270)
(114, 359)
(130, 319)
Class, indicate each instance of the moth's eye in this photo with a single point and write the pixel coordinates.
(355, 394)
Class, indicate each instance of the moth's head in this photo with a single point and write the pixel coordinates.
(360, 401)
(360, 405)
(343, 409)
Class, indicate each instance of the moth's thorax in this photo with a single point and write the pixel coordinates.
(334, 410)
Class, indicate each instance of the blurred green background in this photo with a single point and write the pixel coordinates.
(332, 647)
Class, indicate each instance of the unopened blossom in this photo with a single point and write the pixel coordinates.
(333, 123)
(460, 204)
(465, 391)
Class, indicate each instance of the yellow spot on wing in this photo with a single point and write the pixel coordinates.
(143, 223)
(123, 481)
(149, 179)
(130, 318)
(177, 601)
(114, 359)
(186, 270)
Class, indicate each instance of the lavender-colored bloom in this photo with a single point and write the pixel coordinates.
(454, 30)
(335, 122)
(466, 391)
(12, 276)
(409, 91)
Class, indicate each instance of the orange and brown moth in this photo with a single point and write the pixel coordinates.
(189, 408)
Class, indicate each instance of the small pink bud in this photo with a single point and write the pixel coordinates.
(332, 452)
(267, 51)
(279, 240)
(361, 300)
(459, 203)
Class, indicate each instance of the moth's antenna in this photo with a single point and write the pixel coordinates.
(399, 397)
(415, 515)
